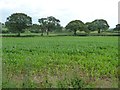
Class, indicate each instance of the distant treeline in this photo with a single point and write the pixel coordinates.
(20, 23)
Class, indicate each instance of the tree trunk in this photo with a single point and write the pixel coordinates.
(42, 33)
(18, 34)
(99, 31)
(47, 31)
(75, 33)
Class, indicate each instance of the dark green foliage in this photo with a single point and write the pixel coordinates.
(5, 30)
(49, 24)
(71, 83)
(100, 25)
(35, 28)
(42, 22)
(17, 22)
(117, 28)
(90, 26)
(77, 83)
(75, 25)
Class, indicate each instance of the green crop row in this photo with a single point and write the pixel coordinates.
(57, 61)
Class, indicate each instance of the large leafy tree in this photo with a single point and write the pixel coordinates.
(17, 22)
(43, 23)
(75, 25)
(49, 24)
(100, 25)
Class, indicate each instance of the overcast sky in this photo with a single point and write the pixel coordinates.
(64, 10)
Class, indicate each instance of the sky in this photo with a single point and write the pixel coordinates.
(64, 10)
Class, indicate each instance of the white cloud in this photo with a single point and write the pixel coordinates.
(65, 10)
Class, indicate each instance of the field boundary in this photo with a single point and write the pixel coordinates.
(54, 35)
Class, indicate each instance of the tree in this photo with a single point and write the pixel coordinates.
(48, 24)
(117, 28)
(43, 23)
(3, 28)
(17, 22)
(75, 25)
(58, 28)
(100, 25)
(35, 28)
(90, 26)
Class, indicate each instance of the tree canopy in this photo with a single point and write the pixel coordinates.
(48, 24)
(117, 28)
(17, 22)
(90, 26)
(75, 25)
(100, 24)
(35, 28)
